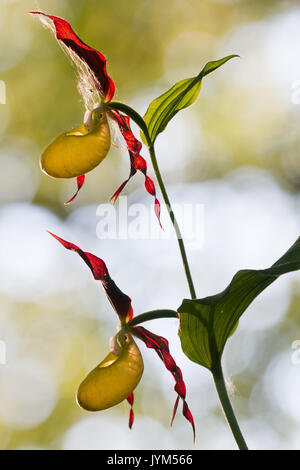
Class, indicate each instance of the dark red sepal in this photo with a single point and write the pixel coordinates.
(119, 301)
(93, 59)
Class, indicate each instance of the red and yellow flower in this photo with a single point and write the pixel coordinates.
(78, 151)
(116, 377)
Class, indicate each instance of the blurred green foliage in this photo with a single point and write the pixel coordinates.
(244, 117)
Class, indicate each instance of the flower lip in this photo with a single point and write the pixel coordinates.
(114, 379)
(80, 150)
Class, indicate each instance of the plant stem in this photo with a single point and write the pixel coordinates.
(141, 123)
(173, 220)
(226, 405)
(152, 315)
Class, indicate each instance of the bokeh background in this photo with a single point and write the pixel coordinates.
(236, 152)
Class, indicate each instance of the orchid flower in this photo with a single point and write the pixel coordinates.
(116, 377)
(76, 152)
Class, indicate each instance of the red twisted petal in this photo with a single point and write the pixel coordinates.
(93, 59)
(132, 172)
(131, 418)
(140, 163)
(80, 183)
(161, 346)
(175, 409)
(188, 415)
(137, 162)
(151, 340)
(157, 211)
(119, 301)
(130, 400)
(149, 185)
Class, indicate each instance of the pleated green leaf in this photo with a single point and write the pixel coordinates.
(206, 324)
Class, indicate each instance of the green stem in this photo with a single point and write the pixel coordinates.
(226, 405)
(173, 220)
(152, 315)
(141, 123)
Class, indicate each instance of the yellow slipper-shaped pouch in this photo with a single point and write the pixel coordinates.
(114, 379)
(78, 151)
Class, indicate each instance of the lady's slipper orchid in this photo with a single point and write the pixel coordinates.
(80, 150)
(116, 377)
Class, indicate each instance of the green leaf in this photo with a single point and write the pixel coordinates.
(206, 324)
(180, 96)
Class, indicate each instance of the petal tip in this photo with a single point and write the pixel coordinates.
(55, 236)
